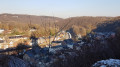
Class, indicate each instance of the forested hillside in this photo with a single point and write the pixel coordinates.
(78, 25)
(21, 24)
(112, 25)
(83, 25)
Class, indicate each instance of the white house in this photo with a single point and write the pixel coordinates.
(70, 46)
(11, 44)
(5, 46)
(32, 30)
(1, 31)
(41, 40)
(55, 48)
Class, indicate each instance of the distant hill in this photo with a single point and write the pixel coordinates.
(84, 21)
(21, 18)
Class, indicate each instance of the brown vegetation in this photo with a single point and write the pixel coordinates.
(21, 24)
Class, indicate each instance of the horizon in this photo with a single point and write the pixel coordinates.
(57, 16)
(62, 9)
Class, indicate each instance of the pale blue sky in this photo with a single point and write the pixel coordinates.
(62, 8)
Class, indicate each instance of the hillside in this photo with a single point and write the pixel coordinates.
(109, 26)
(83, 25)
(75, 25)
(20, 23)
(27, 18)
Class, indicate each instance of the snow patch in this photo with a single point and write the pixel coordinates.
(107, 63)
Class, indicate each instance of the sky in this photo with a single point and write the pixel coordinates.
(61, 8)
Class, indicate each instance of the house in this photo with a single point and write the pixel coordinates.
(7, 31)
(5, 46)
(55, 43)
(69, 43)
(32, 30)
(1, 42)
(0, 46)
(79, 36)
(41, 40)
(1, 31)
(57, 38)
(70, 36)
(11, 44)
(54, 49)
(70, 46)
(17, 37)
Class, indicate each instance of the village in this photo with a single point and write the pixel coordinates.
(60, 50)
(46, 51)
(14, 40)
(67, 51)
